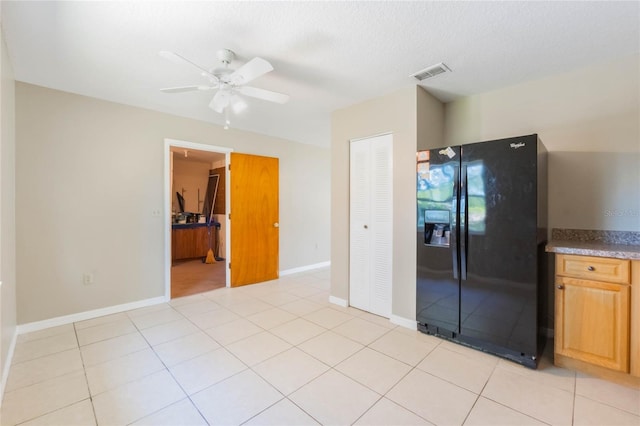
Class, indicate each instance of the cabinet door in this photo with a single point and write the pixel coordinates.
(592, 322)
(202, 241)
(184, 241)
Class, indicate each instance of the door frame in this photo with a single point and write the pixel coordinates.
(168, 143)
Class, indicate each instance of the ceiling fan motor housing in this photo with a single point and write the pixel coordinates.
(226, 56)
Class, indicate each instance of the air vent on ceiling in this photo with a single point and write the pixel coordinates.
(432, 71)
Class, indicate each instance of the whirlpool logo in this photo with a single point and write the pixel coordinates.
(517, 145)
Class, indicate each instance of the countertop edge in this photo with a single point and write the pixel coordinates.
(616, 251)
(178, 226)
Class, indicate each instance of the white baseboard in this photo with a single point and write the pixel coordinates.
(81, 316)
(305, 268)
(404, 322)
(338, 301)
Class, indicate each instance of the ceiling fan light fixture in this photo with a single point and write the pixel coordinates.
(238, 104)
(221, 100)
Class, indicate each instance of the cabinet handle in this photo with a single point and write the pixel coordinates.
(559, 286)
(591, 268)
(366, 227)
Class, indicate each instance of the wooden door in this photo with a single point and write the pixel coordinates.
(592, 322)
(254, 219)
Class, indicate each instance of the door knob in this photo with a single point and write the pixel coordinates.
(276, 225)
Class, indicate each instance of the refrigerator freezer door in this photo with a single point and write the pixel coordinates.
(498, 301)
(438, 287)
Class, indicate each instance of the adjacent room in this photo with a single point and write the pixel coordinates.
(197, 208)
(327, 212)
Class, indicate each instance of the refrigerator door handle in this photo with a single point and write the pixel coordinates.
(464, 219)
(455, 207)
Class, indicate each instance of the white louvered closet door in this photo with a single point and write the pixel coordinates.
(370, 223)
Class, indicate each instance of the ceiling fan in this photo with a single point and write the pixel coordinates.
(230, 83)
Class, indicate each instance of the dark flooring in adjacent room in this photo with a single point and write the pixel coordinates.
(193, 276)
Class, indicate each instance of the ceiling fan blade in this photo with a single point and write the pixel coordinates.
(175, 58)
(266, 95)
(220, 101)
(186, 89)
(252, 69)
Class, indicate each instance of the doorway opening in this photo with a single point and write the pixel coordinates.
(196, 206)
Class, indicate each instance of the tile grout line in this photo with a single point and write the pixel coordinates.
(413, 368)
(248, 367)
(497, 367)
(150, 346)
(86, 379)
(286, 397)
(58, 377)
(251, 367)
(296, 346)
(479, 394)
(138, 330)
(576, 394)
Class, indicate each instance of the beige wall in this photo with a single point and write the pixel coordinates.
(589, 120)
(190, 176)
(90, 173)
(396, 113)
(7, 208)
(430, 122)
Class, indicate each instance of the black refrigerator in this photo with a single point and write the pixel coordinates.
(482, 227)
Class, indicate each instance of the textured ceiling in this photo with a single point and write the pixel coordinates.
(326, 55)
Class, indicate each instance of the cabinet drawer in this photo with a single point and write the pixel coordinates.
(594, 268)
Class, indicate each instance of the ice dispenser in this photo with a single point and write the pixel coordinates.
(437, 227)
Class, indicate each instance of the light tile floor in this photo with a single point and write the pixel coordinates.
(278, 353)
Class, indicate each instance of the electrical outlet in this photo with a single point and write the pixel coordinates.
(156, 212)
(87, 278)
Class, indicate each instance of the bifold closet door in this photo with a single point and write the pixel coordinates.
(371, 224)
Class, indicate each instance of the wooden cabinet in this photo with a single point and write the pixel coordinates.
(594, 322)
(189, 243)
